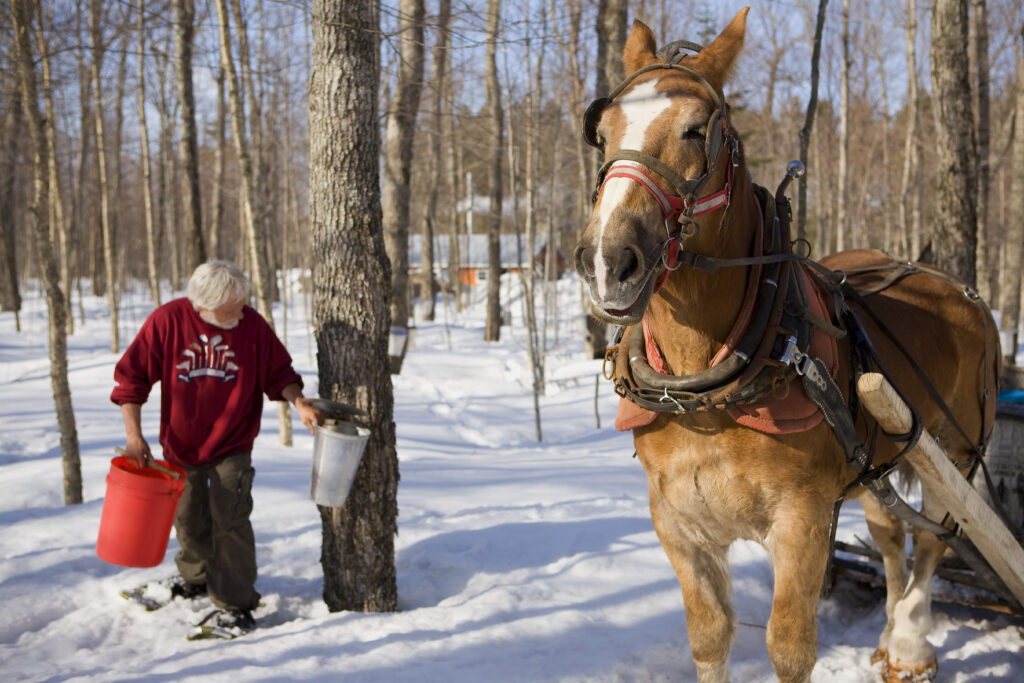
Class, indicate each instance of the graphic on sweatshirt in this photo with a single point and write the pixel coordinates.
(207, 358)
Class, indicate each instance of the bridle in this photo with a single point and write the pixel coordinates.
(680, 209)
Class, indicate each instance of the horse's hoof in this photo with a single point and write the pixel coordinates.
(899, 673)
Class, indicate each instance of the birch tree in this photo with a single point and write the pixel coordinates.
(219, 163)
(495, 115)
(400, 135)
(106, 226)
(844, 130)
(250, 199)
(184, 33)
(909, 206)
(38, 216)
(808, 127)
(58, 223)
(152, 274)
(430, 222)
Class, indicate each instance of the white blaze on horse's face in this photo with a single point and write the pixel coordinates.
(620, 249)
(641, 107)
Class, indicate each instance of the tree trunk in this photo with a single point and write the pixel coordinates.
(253, 96)
(844, 130)
(527, 270)
(441, 46)
(217, 213)
(96, 32)
(808, 127)
(492, 331)
(290, 224)
(79, 210)
(980, 69)
(358, 553)
(152, 273)
(166, 198)
(573, 9)
(184, 30)
(398, 151)
(910, 239)
(611, 40)
(57, 214)
(115, 167)
(954, 240)
(454, 175)
(10, 295)
(1010, 275)
(249, 198)
(886, 199)
(38, 213)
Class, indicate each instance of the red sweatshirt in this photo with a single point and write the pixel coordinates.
(213, 380)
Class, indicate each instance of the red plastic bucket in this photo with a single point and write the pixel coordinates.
(138, 513)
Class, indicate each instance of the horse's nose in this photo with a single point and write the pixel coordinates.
(625, 265)
(610, 273)
(583, 260)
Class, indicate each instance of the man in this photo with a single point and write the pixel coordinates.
(215, 358)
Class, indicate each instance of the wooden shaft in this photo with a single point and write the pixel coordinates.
(937, 473)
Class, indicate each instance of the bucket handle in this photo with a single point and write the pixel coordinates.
(150, 462)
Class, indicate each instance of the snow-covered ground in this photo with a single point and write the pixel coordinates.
(517, 560)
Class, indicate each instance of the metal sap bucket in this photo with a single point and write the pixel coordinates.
(337, 449)
(1005, 456)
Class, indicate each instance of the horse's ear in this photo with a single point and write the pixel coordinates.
(640, 49)
(715, 62)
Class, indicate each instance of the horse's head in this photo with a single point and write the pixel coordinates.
(663, 133)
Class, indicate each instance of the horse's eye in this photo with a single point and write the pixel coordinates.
(695, 134)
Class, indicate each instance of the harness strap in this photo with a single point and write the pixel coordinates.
(854, 295)
(671, 206)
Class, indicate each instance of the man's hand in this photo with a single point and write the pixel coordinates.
(137, 450)
(308, 414)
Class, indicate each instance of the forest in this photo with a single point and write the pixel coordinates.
(141, 139)
(153, 111)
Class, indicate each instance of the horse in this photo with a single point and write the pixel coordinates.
(683, 252)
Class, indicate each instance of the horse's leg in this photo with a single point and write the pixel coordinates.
(911, 656)
(703, 574)
(799, 550)
(891, 537)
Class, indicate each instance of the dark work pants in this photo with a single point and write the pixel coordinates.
(214, 532)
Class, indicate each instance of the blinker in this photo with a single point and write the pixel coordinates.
(591, 117)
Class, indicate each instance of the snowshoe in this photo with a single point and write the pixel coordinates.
(223, 624)
(158, 594)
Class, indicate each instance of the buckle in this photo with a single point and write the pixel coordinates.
(792, 355)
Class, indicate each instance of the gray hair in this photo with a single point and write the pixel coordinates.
(214, 283)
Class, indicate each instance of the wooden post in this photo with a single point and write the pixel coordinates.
(966, 505)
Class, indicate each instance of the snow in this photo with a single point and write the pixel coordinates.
(516, 560)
